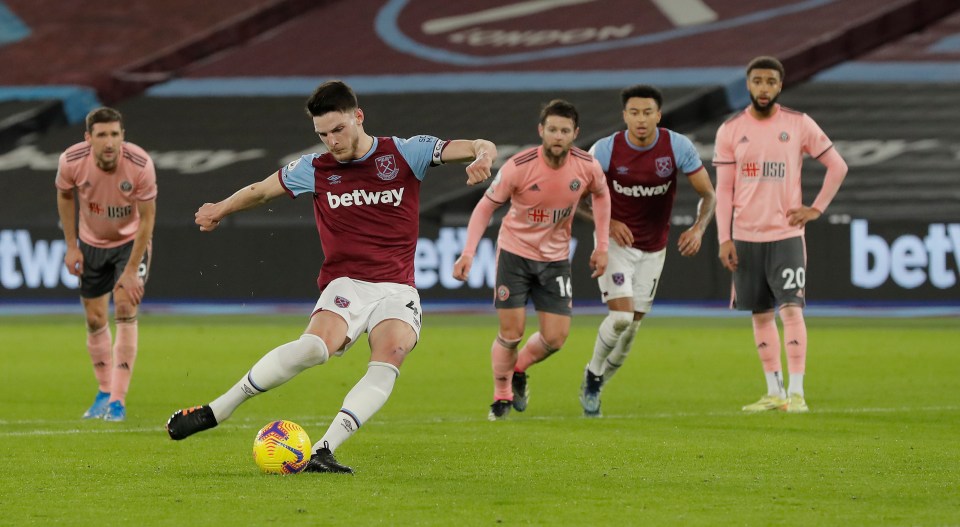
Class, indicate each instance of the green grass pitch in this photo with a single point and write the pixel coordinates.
(880, 446)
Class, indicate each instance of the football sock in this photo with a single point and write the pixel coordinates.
(534, 351)
(125, 354)
(364, 400)
(98, 345)
(608, 335)
(774, 383)
(619, 354)
(795, 339)
(503, 357)
(796, 383)
(767, 339)
(275, 368)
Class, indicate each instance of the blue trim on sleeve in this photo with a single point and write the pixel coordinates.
(602, 151)
(688, 159)
(298, 176)
(417, 151)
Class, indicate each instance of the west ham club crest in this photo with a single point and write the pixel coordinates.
(386, 167)
(341, 302)
(618, 278)
(664, 166)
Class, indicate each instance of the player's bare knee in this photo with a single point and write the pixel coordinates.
(124, 311)
(96, 319)
(390, 354)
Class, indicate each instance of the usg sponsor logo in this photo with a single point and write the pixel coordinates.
(640, 190)
(909, 260)
(433, 265)
(362, 197)
(32, 264)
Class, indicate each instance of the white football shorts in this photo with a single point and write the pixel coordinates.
(365, 304)
(632, 273)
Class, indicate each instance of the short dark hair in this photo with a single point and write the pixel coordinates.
(563, 109)
(644, 91)
(766, 62)
(103, 115)
(331, 96)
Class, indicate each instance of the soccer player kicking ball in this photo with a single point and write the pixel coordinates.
(759, 157)
(544, 186)
(366, 200)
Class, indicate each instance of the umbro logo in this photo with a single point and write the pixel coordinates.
(744, 140)
(535, 188)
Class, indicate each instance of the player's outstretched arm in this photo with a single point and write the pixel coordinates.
(481, 152)
(209, 215)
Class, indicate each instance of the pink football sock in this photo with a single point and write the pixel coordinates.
(767, 339)
(125, 351)
(99, 347)
(534, 351)
(503, 357)
(795, 338)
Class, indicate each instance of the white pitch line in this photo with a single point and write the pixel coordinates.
(520, 9)
(247, 423)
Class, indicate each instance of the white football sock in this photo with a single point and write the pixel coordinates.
(618, 355)
(774, 383)
(366, 397)
(608, 335)
(796, 384)
(275, 368)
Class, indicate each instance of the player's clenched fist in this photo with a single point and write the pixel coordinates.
(479, 170)
(461, 268)
(207, 217)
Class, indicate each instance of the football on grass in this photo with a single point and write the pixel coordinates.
(281, 447)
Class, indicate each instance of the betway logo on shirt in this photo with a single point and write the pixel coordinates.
(640, 190)
(361, 197)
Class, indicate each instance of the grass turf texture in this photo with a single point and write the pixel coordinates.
(879, 446)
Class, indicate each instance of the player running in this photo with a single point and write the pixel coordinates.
(544, 185)
(642, 165)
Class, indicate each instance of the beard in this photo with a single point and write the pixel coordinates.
(107, 165)
(763, 110)
(556, 159)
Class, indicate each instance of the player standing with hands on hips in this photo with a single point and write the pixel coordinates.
(761, 218)
(115, 184)
(365, 192)
(642, 164)
(544, 185)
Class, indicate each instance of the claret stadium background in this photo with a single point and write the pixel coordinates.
(892, 234)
